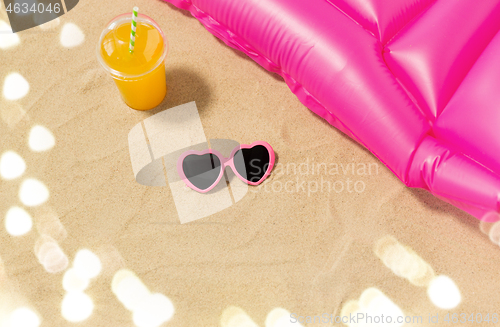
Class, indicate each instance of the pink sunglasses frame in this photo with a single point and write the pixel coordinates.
(226, 162)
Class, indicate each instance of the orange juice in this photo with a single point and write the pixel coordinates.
(140, 75)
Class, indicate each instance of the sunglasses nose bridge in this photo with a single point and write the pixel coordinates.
(229, 162)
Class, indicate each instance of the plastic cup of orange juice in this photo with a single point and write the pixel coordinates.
(140, 75)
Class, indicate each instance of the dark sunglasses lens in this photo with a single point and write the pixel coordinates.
(252, 163)
(201, 170)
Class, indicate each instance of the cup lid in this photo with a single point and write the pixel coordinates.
(118, 21)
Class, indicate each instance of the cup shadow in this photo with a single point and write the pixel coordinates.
(183, 85)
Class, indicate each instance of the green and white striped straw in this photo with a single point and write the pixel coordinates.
(132, 31)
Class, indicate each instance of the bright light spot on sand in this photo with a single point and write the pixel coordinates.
(11, 165)
(76, 306)
(86, 264)
(129, 289)
(33, 192)
(7, 38)
(372, 302)
(15, 86)
(12, 113)
(377, 302)
(17, 221)
(154, 311)
(148, 310)
(24, 317)
(490, 225)
(403, 261)
(50, 255)
(72, 282)
(47, 223)
(119, 276)
(236, 317)
(444, 293)
(41, 139)
(491, 217)
(55, 261)
(280, 317)
(71, 35)
(351, 307)
(494, 233)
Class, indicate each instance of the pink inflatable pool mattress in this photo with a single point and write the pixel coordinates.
(417, 82)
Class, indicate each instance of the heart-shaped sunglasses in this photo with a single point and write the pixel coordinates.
(202, 170)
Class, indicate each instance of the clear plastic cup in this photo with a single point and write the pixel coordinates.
(141, 79)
